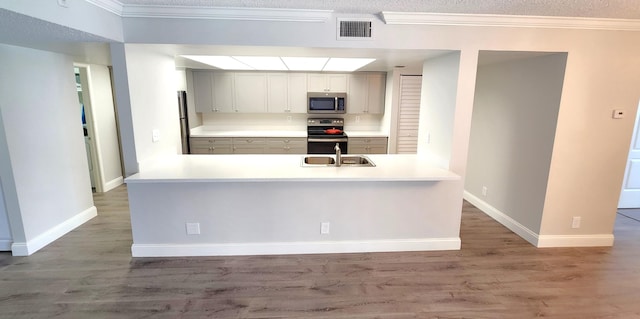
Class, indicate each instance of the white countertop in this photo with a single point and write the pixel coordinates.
(269, 168)
(366, 133)
(202, 131)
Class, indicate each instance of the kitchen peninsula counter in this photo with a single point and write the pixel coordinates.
(202, 205)
(264, 168)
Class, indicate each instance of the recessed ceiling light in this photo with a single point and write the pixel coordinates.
(268, 63)
(346, 64)
(221, 62)
(264, 63)
(304, 63)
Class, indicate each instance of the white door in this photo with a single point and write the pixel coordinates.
(408, 114)
(630, 196)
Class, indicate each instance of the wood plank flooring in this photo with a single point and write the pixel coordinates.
(89, 273)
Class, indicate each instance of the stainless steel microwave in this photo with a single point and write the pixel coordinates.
(327, 102)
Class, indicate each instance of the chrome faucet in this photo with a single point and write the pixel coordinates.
(338, 154)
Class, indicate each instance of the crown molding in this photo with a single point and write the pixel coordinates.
(491, 20)
(113, 6)
(183, 12)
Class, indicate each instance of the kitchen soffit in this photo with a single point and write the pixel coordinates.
(619, 9)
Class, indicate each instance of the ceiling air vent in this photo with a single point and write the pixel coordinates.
(354, 29)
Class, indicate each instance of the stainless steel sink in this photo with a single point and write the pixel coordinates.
(357, 160)
(319, 160)
(347, 160)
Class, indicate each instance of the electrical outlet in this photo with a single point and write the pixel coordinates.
(288, 119)
(357, 118)
(324, 228)
(193, 228)
(575, 222)
(484, 190)
(155, 135)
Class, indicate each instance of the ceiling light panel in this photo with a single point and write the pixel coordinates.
(346, 64)
(221, 62)
(304, 64)
(263, 63)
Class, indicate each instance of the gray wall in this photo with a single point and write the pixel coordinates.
(45, 176)
(512, 133)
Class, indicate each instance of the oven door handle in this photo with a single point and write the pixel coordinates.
(331, 140)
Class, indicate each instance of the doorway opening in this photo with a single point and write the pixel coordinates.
(97, 111)
(86, 116)
(630, 194)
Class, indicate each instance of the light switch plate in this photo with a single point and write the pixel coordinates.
(618, 114)
(324, 228)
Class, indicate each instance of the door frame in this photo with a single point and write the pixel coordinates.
(85, 84)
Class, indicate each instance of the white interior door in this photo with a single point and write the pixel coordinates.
(408, 114)
(630, 196)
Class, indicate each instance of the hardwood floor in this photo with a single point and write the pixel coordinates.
(89, 273)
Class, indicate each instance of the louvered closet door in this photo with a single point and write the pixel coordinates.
(409, 114)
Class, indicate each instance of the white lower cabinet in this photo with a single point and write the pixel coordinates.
(248, 145)
(286, 145)
(210, 145)
(367, 145)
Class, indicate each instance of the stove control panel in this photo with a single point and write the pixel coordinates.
(321, 122)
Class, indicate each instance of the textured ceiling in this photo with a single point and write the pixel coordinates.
(620, 9)
(21, 30)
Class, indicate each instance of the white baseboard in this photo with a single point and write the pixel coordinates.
(113, 184)
(575, 240)
(286, 248)
(35, 244)
(502, 218)
(540, 241)
(5, 244)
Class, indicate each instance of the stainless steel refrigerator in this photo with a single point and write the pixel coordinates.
(184, 121)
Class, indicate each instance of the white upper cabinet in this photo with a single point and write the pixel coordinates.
(277, 93)
(323, 82)
(250, 92)
(366, 93)
(283, 92)
(287, 92)
(202, 91)
(223, 92)
(297, 92)
(357, 95)
(376, 93)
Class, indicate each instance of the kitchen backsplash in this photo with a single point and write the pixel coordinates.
(284, 122)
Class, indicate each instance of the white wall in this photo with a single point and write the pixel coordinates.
(154, 105)
(5, 230)
(590, 148)
(50, 188)
(514, 122)
(105, 126)
(123, 102)
(437, 107)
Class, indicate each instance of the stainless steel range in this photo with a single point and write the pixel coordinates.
(324, 133)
